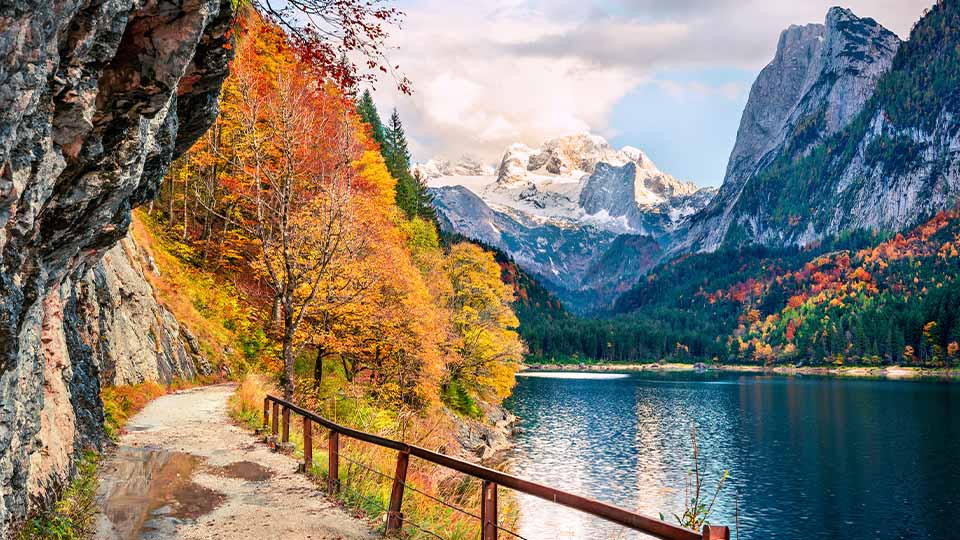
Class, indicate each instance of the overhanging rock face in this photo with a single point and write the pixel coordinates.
(96, 98)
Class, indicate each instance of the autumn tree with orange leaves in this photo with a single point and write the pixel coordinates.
(289, 197)
(294, 146)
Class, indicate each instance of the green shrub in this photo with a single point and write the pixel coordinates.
(74, 515)
(459, 400)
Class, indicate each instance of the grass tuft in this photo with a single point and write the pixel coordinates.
(74, 515)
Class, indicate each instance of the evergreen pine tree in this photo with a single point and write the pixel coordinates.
(424, 199)
(397, 158)
(889, 352)
(899, 343)
(368, 113)
(412, 192)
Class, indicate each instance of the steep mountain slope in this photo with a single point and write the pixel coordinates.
(560, 209)
(559, 254)
(859, 298)
(817, 84)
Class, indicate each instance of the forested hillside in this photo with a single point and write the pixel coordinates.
(857, 299)
(895, 302)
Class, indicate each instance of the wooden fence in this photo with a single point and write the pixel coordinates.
(491, 479)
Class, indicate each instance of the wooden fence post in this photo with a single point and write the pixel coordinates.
(276, 419)
(488, 511)
(394, 515)
(307, 445)
(286, 425)
(266, 412)
(333, 469)
(716, 532)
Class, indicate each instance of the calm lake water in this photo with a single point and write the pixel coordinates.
(811, 457)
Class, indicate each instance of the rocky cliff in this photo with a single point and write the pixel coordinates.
(131, 335)
(819, 79)
(887, 165)
(96, 98)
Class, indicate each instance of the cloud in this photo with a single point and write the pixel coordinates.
(490, 73)
(473, 97)
(652, 34)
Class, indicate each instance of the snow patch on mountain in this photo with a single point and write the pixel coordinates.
(576, 179)
(558, 207)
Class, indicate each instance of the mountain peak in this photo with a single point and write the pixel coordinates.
(818, 81)
(569, 158)
(575, 211)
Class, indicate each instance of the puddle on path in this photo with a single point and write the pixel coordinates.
(145, 493)
(244, 470)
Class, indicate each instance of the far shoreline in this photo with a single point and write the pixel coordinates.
(866, 372)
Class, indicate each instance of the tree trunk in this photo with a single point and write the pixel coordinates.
(274, 314)
(186, 206)
(288, 365)
(318, 366)
(173, 193)
(289, 333)
(347, 367)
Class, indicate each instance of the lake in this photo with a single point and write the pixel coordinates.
(810, 457)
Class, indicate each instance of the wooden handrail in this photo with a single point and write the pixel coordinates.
(493, 478)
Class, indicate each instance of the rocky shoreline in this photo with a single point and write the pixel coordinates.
(884, 372)
(489, 439)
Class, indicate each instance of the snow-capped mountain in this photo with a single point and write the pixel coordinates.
(558, 209)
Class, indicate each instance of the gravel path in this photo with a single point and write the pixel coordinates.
(183, 470)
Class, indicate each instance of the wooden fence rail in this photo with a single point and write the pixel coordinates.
(491, 479)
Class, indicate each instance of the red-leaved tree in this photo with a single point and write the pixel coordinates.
(329, 34)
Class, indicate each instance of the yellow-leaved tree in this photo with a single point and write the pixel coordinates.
(490, 350)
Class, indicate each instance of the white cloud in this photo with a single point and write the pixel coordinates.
(489, 73)
(472, 96)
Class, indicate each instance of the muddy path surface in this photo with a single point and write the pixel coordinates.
(183, 470)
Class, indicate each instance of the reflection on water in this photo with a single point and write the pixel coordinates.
(145, 493)
(810, 457)
(572, 375)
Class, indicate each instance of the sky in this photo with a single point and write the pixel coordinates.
(670, 77)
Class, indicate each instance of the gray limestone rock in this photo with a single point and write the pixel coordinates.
(96, 98)
(819, 79)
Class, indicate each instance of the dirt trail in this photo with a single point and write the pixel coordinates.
(183, 470)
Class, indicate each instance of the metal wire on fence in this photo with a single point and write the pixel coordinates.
(489, 522)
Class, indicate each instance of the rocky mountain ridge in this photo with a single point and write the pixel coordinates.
(95, 100)
(560, 208)
(818, 82)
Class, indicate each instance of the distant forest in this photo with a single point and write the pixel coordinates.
(859, 298)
